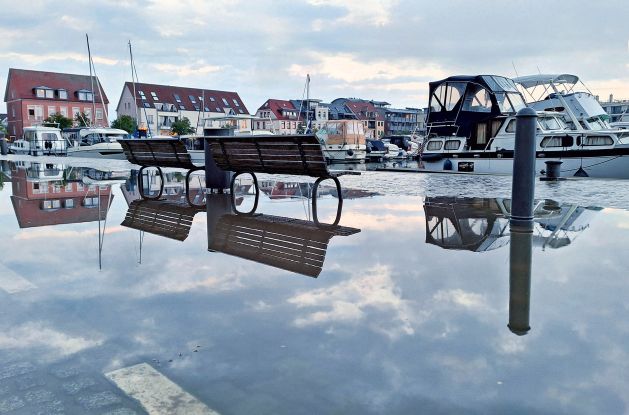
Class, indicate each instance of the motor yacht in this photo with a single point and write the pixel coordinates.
(95, 142)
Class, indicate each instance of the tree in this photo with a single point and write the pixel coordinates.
(82, 120)
(58, 119)
(125, 122)
(182, 127)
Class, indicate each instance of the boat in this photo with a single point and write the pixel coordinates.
(343, 141)
(39, 140)
(471, 129)
(95, 142)
(405, 143)
(376, 150)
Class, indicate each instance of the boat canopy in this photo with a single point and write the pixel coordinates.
(531, 81)
(458, 103)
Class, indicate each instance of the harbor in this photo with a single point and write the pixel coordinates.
(314, 207)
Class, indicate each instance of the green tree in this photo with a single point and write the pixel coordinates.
(125, 122)
(82, 120)
(58, 119)
(182, 127)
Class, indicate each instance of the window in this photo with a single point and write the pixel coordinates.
(149, 119)
(75, 111)
(51, 110)
(212, 99)
(62, 93)
(177, 98)
(88, 113)
(437, 98)
(69, 203)
(225, 102)
(434, 145)
(182, 107)
(236, 103)
(51, 204)
(84, 95)
(597, 141)
(477, 99)
(283, 124)
(99, 114)
(35, 112)
(197, 107)
(154, 96)
(206, 109)
(192, 99)
(550, 142)
(452, 145)
(481, 133)
(240, 111)
(142, 96)
(549, 123)
(63, 111)
(510, 127)
(40, 93)
(218, 109)
(201, 99)
(147, 105)
(454, 91)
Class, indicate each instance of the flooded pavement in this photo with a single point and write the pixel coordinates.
(419, 301)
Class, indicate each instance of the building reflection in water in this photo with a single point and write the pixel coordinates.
(482, 224)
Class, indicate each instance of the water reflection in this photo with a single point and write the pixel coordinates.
(482, 224)
(287, 243)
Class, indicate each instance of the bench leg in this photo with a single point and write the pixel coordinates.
(339, 207)
(188, 186)
(141, 183)
(233, 194)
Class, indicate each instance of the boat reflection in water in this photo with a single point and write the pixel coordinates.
(482, 224)
(287, 243)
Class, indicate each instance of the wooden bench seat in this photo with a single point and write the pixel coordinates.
(161, 217)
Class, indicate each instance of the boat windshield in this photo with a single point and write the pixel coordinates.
(551, 123)
(597, 124)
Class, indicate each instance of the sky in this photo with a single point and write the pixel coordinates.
(372, 49)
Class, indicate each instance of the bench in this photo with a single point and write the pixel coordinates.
(287, 243)
(275, 154)
(158, 153)
(161, 217)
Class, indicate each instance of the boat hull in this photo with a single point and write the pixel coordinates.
(348, 153)
(602, 166)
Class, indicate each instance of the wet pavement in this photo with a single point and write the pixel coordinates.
(419, 301)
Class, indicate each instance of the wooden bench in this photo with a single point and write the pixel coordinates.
(161, 217)
(158, 153)
(291, 244)
(277, 154)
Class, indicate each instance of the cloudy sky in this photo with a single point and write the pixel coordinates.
(374, 49)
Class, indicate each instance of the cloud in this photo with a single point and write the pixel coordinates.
(186, 70)
(358, 12)
(38, 59)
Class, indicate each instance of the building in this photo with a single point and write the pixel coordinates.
(157, 107)
(400, 121)
(314, 110)
(618, 110)
(279, 117)
(359, 109)
(32, 96)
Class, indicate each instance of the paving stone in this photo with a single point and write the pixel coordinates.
(121, 411)
(11, 404)
(16, 369)
(65, 372)
(50, 408)
(78, 385)
(99, 400)
(39, 396)
(28, 382)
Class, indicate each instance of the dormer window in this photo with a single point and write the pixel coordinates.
(236, 103)
(225, 102)
(84, 95)
(142, 96)
(62, 94)
(154, 96)
(44, 92)
(192, 99)
(177, 98)
(212, 99)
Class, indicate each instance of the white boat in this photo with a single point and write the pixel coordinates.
(95, 142)
(39, 140)
(471, 128)
(343, 141)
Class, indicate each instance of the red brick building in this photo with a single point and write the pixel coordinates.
(32, 96)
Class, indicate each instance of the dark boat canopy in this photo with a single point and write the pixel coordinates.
(460, 102)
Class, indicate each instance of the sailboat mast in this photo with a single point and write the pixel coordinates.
(307, 104)
(89, 59)
(135, 99)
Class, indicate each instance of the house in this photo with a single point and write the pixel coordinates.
(618, 110)
(278, 116)
(314, 110)
(359, 109)
(401, 120)
(157, 107)
(32, 96)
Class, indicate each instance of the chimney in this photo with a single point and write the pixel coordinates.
(611, 97)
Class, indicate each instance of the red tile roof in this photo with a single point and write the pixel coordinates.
(166, 94)
(20, 84)
(277, 106)
(361, 109)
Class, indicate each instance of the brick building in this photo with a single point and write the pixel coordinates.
(32, 96)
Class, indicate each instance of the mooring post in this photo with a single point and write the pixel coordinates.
(215, 178)
(523, 185)
(520, 255)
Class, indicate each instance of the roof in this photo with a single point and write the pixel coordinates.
(545, 79)
(22, 81)
(167, 94)
(277, 106)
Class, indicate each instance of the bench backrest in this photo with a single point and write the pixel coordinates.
(158, 152)
(291, 244)
(161, 217)
(281, 154)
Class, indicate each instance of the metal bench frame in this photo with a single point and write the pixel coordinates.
(158, 153)
(274, 154)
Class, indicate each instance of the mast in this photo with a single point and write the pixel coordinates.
(135, 98)
(89, 59)
(307, 104)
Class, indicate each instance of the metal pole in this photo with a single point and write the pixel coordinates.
(520, 256)
(89, 58)
(523, 185)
